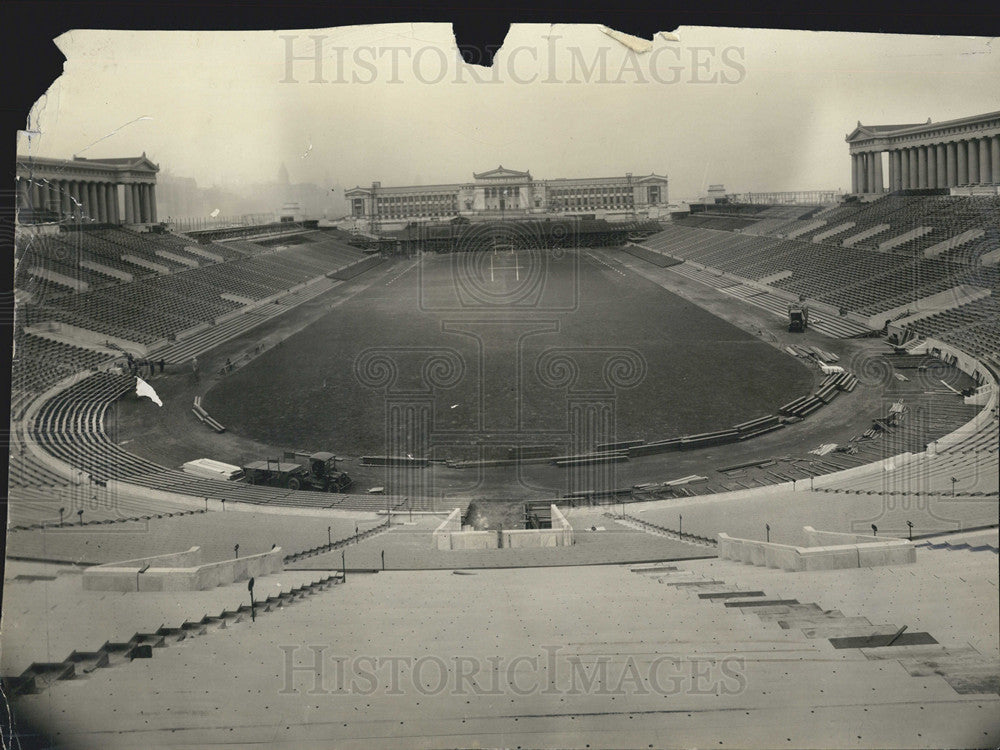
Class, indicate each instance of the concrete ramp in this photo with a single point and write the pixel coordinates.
(927, 306)
(904, 238)
(952, 242)
(207, 254)
(114, 273)
(144, 263)
(807, 226)
(823, 236)
(77, 285)
(856, 238)
(167, 255)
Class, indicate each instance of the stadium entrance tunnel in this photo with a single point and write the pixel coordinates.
(504, 524)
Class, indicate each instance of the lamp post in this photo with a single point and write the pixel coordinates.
(954, 481)
(874, 530)
(79, 513)
(767, 528)
(329, 535)
(236, 549)
(680, 525)
(909, 526)
(61, 511)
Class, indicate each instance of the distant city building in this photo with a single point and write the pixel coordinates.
(291, 211)
(502, 192)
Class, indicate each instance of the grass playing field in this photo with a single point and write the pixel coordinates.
(506, 348)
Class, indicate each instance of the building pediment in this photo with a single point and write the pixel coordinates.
(651, 179)
(867, 132)
(130, 163)
(501, 173)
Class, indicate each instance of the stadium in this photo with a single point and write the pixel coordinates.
(750, 447)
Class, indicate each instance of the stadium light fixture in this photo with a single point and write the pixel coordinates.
(909, 525)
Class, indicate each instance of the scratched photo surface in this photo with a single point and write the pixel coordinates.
(618, 393)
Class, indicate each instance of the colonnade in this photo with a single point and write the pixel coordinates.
(960, 162)
(93, 200)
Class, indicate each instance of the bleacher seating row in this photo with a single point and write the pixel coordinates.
(70, 427)
(154, 305)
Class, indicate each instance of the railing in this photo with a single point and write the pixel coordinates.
(683, 536)
(346, 541)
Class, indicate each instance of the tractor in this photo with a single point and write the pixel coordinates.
(798, 317)
(317, 471)
(323, 474)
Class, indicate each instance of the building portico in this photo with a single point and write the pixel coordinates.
(923, 156)
(106, 191)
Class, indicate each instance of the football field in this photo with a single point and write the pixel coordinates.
(504, 348)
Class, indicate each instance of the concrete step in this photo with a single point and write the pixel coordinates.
(728, 594)
(904, 652)
(974, 681)
(834, 630)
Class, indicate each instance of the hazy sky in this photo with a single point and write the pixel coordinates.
(755, 110)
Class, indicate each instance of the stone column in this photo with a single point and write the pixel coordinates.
(973, 161)
(129, 207)
(904, 169)
(879, 182)
(962, 154)
(854, 173)
(995, 158)
(985, 177)
(921, 167)
(65, 201)
(914, 169)
(951, 158)
(71, 197)
(102, 202)
(23, 194)
(869, 173)
(892, 171)
(152, 202)
(80, 189)
(88, 200)
(942, 181)
(931, 167)
(144, 203)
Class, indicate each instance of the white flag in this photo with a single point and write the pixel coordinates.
(142, 388)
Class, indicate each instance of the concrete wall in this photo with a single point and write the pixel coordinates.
(815, 538)
(442, 534)
(165, 572)
(471, 540)
(859, 552)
